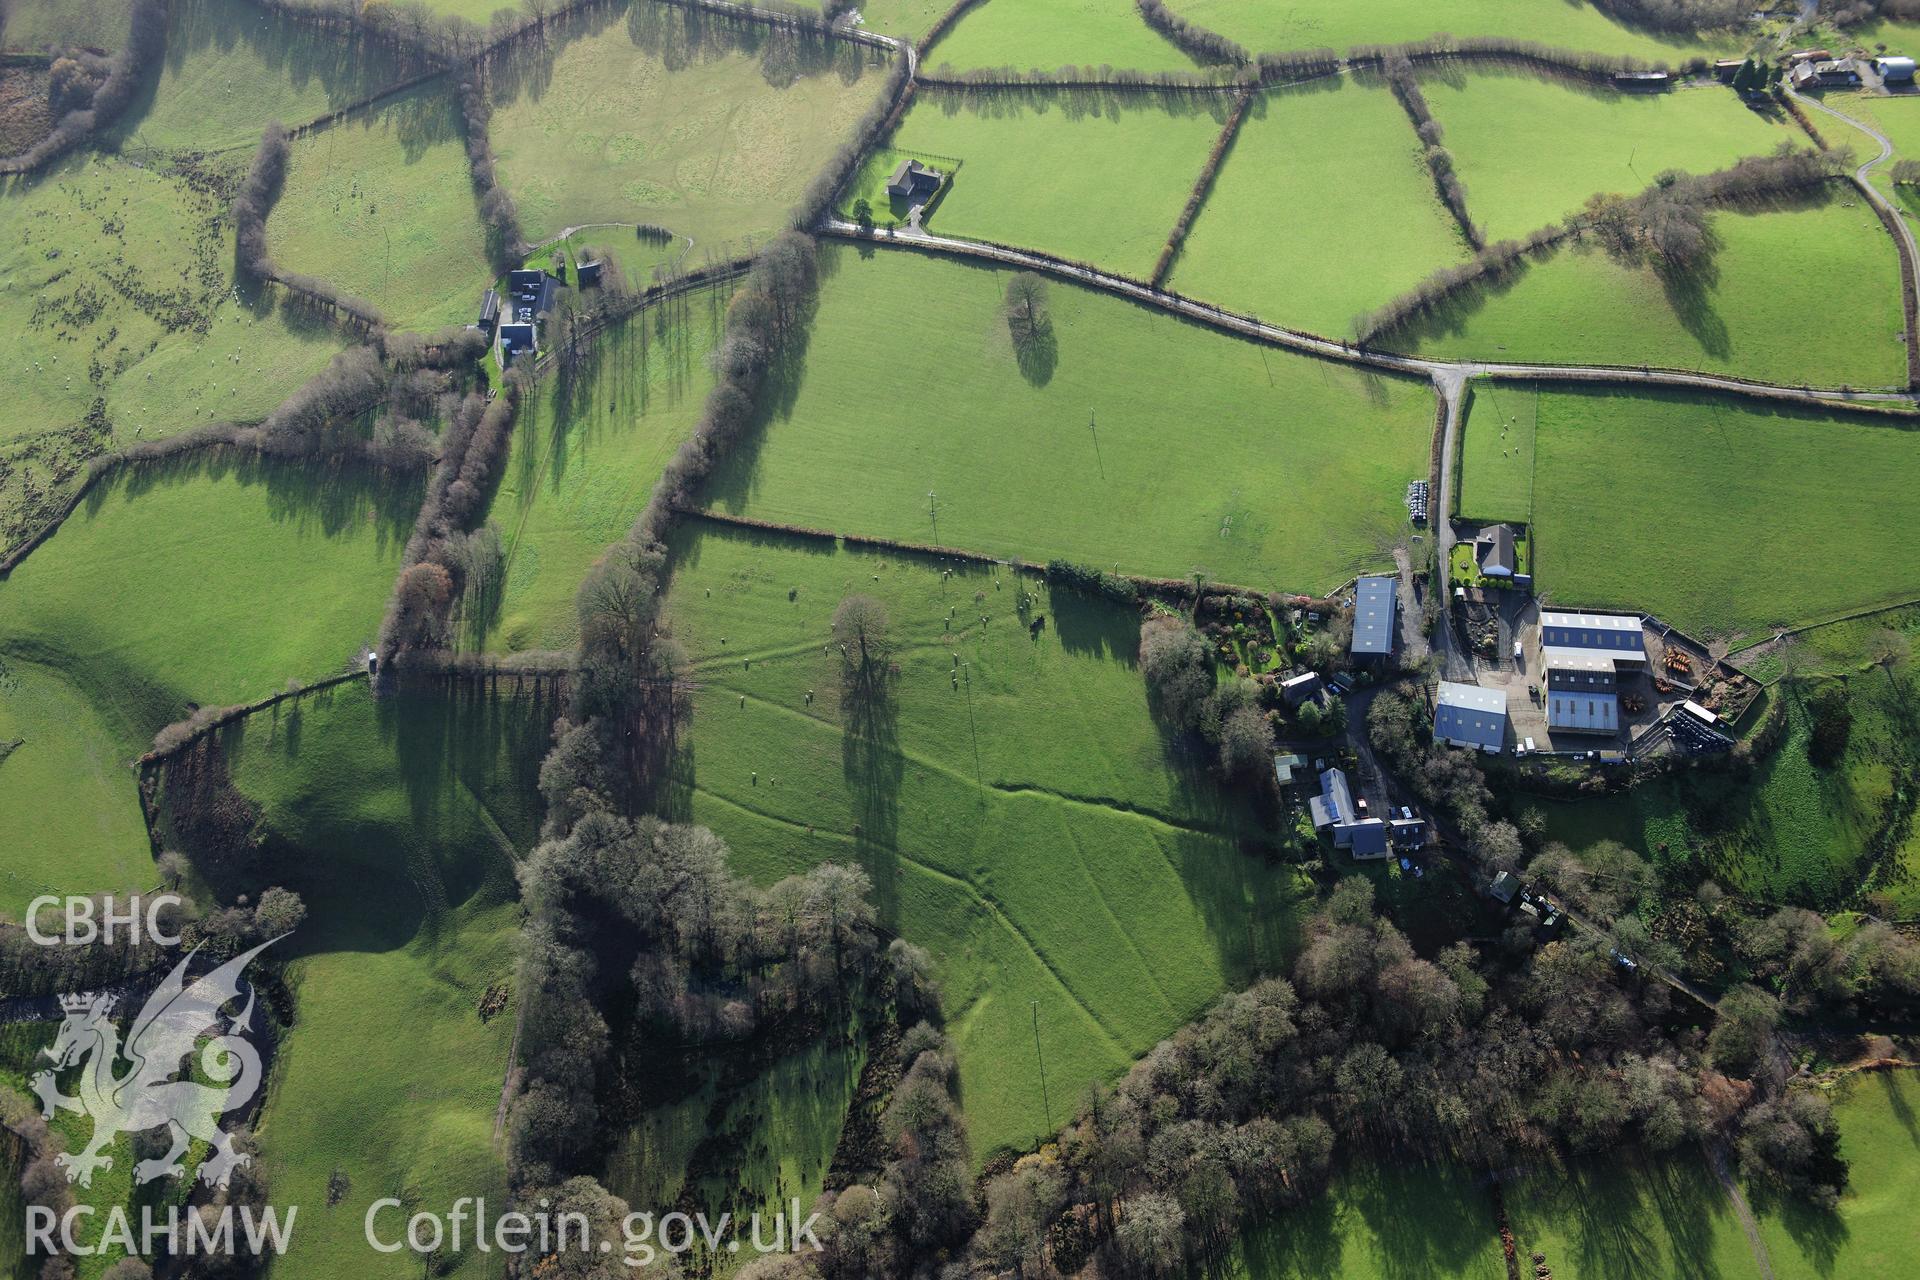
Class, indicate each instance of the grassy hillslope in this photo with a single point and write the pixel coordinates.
(230, 69)
(684, 120)
(119, 277)
(37, 24)
(381, 206)
(1050, 34)
(1095, 177)
(210, 581)
(69, 806)
(1531, 150)
(1745, 315)
(1204, 451)
(398, 822)
(1371, 226)
(1019, 811)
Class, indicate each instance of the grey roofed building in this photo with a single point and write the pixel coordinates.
(1367, 838)
(1613, 635)
(588, 273)
(1333, 807)
(1407, 833)
(1589, 712)
(1333, 811)
(1495, 553)
(1895, 68)
(1465, 715)
(1373, 615)
(489, 310)
(1284, 765)
(913, 179)
(1504, 886)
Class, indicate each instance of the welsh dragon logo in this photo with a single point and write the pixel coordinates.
(130, 1087)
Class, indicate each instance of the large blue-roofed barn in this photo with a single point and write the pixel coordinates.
(1373, 616)
(1465, 715)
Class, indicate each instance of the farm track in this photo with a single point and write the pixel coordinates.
(1909, 251)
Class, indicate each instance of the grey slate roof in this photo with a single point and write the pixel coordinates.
(1373, 612)
(1467, 715)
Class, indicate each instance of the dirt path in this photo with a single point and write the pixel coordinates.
(1717, 1156)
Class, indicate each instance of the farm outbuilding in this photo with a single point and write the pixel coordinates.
(914, 180)
(1373, 616)
(1465, 715)
(1615, 636)
(1895, 69)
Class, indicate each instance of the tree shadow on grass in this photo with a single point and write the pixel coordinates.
(1037, 351)
(874, 768)
(332, 495)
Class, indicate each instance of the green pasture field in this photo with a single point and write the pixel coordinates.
(1300, 230)
(1741, 316)
(1875, 1235)
(1378, 1223)
(207, 581)
(711, 128)
(902, 17)
(1268, 25)
(69, 808)
(1790, 832)
(1050, 34)
(1496, 451)
(82, 241)
(382, 206)
(1204, 452)
(1728, 518)
(586, 451)
(1632, 1216)
(37, 24)
(1020, 812)
(398, 821)
(230, 68)
(1531, 150)
(1097, 177)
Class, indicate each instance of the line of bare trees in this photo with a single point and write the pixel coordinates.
(1190, 37)
(1591, 66)
(1453, 193)
(1201, 186)
(97, 90)
(1104, 76)
(1664, 224)
(506, 242)
(817, 201)
(443, 557)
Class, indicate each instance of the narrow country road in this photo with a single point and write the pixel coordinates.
(1313, 344)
